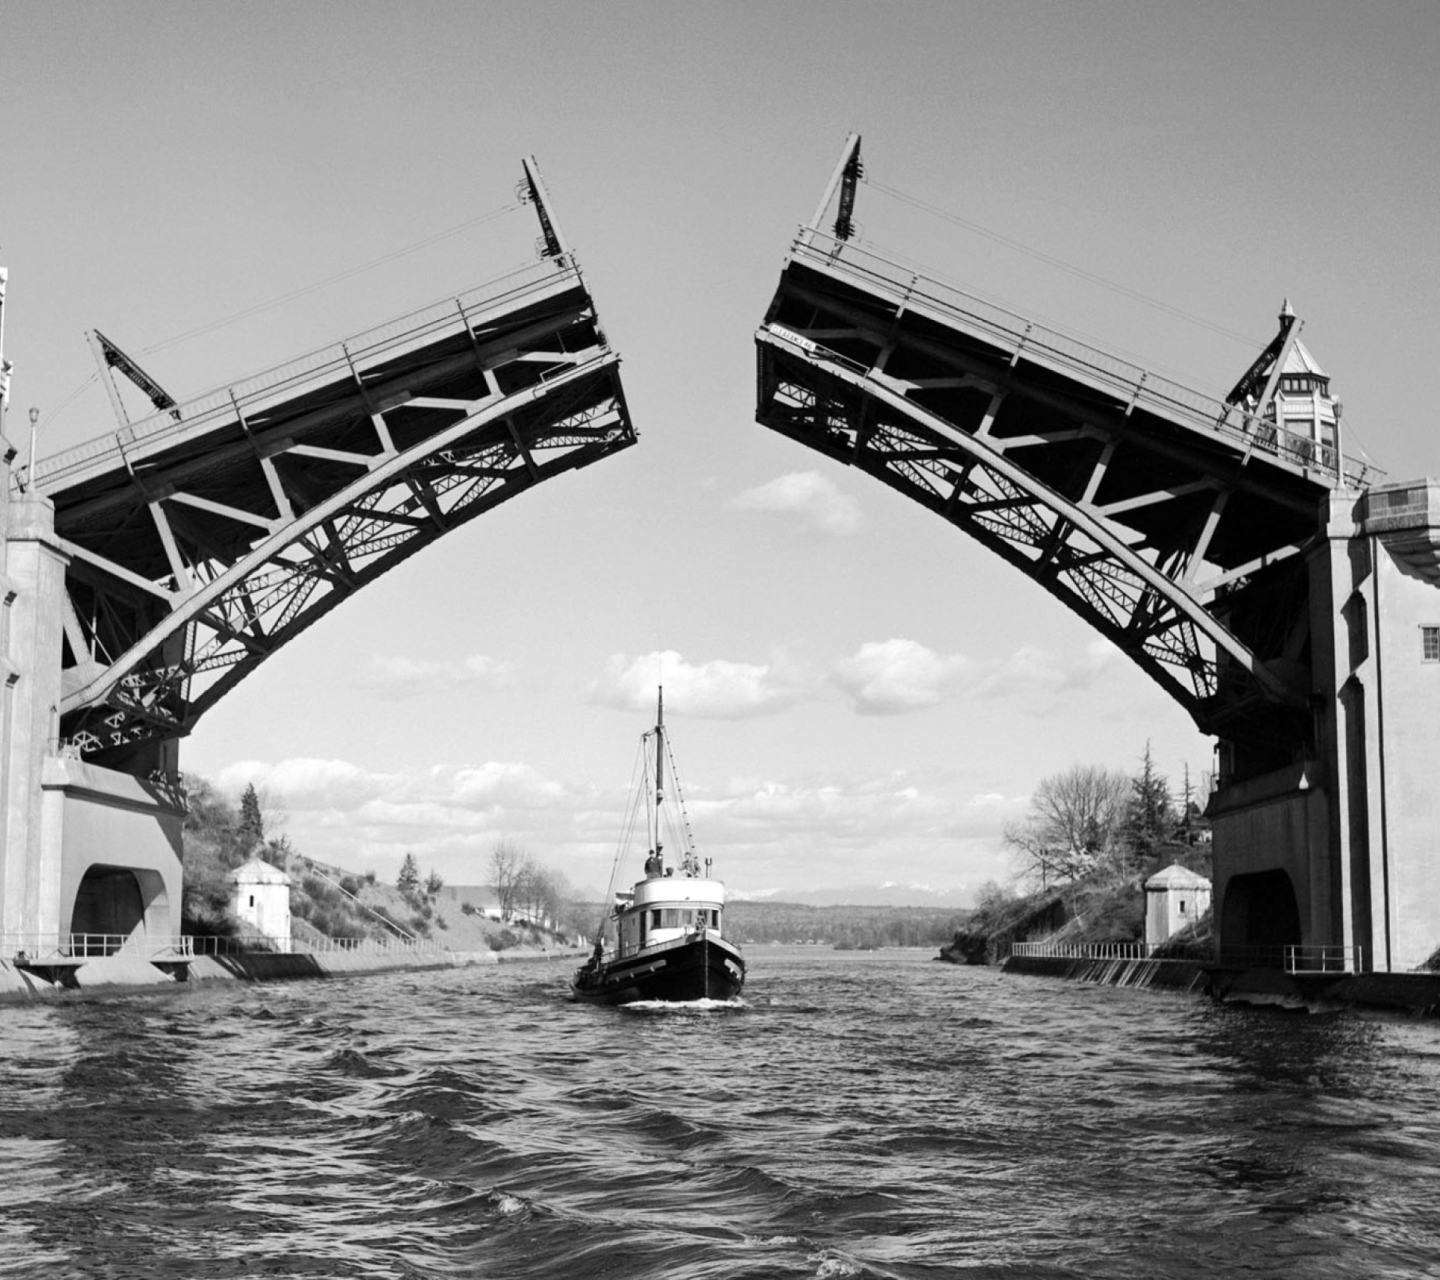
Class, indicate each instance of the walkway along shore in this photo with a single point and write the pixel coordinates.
(116, 974)
(1416, 994)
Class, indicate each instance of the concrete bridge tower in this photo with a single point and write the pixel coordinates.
(1336, 852)
(83, 849)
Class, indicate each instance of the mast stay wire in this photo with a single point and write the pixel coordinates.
(627, 829)
(280, 299)
(687, 837)
(1135, 295)
(1091, 277)
(347, 273)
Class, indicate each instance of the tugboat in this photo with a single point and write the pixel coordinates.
(663, 939)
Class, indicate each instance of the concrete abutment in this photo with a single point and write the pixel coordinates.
(1339, 854)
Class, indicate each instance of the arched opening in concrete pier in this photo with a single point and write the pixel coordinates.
(1260, 918)
(110, 906)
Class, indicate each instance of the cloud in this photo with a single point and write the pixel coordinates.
(306, 783)
(715, 690)
(806, 495)
(395, 676)
(893, 677)
(1038, 671)
(819, 829)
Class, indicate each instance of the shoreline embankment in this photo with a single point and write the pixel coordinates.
(129, 974)
(1414, 994)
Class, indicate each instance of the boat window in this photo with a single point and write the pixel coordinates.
(655, 918)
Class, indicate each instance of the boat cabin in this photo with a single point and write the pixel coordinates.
(667, 909)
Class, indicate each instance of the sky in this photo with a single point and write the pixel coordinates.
(858, 694)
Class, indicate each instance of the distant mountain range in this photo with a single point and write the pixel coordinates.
(889, 894)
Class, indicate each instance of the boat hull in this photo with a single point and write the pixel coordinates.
(705, 968)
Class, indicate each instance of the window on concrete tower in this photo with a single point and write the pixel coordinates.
(1430, 644)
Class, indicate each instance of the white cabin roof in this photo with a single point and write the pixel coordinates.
(1177, 877)
(258, 871)
(663, 889)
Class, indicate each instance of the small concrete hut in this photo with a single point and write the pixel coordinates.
(1174, 899)
(262, 901)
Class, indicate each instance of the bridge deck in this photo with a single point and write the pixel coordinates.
(1044, 347)
(201, 545)
(1172, 521)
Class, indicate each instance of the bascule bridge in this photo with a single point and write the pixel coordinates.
(149, 571)
(1277, 588)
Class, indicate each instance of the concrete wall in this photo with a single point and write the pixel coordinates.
(97, 818)
(1406, 752)
(60, 818)
(1375, 582)
(1275, 823)
(30, 877)
(1356, 829)
(1168, 909)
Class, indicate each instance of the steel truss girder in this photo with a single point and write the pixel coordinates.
(221, 615)
(1131, 586)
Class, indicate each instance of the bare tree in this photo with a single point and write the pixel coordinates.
(509, 867)
(1072, 824)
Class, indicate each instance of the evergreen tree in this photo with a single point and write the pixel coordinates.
(1150, 817)
(433, 884)
(408, 882)
(252, 823)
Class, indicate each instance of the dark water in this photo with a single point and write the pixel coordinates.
(865, 1114)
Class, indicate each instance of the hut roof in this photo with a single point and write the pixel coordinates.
(1177, 877)
(258, 871)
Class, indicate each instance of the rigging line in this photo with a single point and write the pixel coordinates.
(688, 840)
(627, 832)
(283, 298)
(1187, 378)
(84, 385)
(1049, 258)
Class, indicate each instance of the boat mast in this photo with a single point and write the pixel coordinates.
(659, 763)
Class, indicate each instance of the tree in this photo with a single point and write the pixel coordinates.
(433, 885)
(408, 881)
(508, 866)
(252, 823)
(1071, 825)
(1149, 817)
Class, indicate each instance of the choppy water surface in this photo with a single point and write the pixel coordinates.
(863, 1114)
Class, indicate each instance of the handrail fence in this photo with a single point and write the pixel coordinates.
(64, 948)
(1287, 957)
(1136, 385)
(249, 397)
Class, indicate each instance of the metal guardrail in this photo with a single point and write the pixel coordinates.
(1293, 959)
(1033, 340)
(1085, 950)
(253, 395)
(64, 948)
(1296, 959)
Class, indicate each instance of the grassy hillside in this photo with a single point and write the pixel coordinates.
(1095, 909)
(326, 901)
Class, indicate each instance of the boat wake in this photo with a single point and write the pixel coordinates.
(684, 1006)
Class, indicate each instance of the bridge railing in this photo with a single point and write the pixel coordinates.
(1288, 958)
(40, 948)
(61, 948)
(1336, 959)
(253, 395)
(1032, 339)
